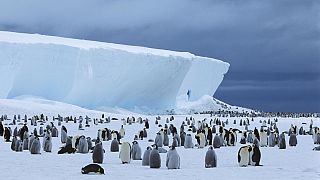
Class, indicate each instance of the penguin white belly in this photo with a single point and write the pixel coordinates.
(263, 139)
(244, 154)
(125, 153)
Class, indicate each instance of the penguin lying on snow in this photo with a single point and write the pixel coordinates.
(316, 148)
(92, 168)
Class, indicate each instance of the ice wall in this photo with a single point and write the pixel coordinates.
(95, 74)
(204, 77)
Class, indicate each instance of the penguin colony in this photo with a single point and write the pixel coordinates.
(210, 134)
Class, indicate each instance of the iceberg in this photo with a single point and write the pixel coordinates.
(97, 74)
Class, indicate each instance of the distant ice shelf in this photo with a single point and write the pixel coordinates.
(96, 74)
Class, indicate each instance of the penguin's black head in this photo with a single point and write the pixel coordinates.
(101, 170)
(210, 148)
(155, 146)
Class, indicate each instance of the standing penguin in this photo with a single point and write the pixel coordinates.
(114, 145)
(263, 138)
(188, 142)
(256, 155)
(1, 128)
(183, 138)
(178, 139)
(202, 140)
(173, 159)
(293, 139)
(165, 138)
(35, 146)
(125, 153)
(54, 132)
(64, 134)
(155, 159)
(47, 145)
(25, 143)
(146, 156)
(83, 145)
(122, 132)
(13, 143)
(18, 146)
(244, 156)
(282, 141)
(98, 153)
(210, 158)
(272, 139)
(7, 134)
(136, 151)
(158, 141)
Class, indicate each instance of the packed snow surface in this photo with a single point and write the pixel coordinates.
(97, 74)
(298, 162)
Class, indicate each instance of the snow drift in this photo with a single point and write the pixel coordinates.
(94, 74)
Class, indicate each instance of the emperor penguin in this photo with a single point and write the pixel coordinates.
(244, 156)
(272, 139)
(13, 143)
(64, 134)
(98, 153)
(155, 159)
(188, 142)
(90, 146)
(263, 138)
(282, 141)
(136, 151)
(202, 140)
(250, 137)
(18, 146)
(25, 143)
(92, 168)
(75, 141)
(173, 159)
(256, 155)
(165, 138)
(158, 140)
(35, 146)
(83, 145)
(145, 133)
(183, 138)
(47, 145)
(210, 158)
(293, 139)
(125, 153)
(122, 132)
(31, 139)
(7, 134)
(54, 132)
(114, 145)
(216, 141)
(146, 156)
(177, 137)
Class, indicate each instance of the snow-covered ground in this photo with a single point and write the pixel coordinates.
(292, 163)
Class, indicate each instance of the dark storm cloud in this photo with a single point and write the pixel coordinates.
(273, 46)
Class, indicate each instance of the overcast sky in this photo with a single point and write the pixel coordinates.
(273, 46)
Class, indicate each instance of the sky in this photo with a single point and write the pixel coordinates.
(273, 46)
